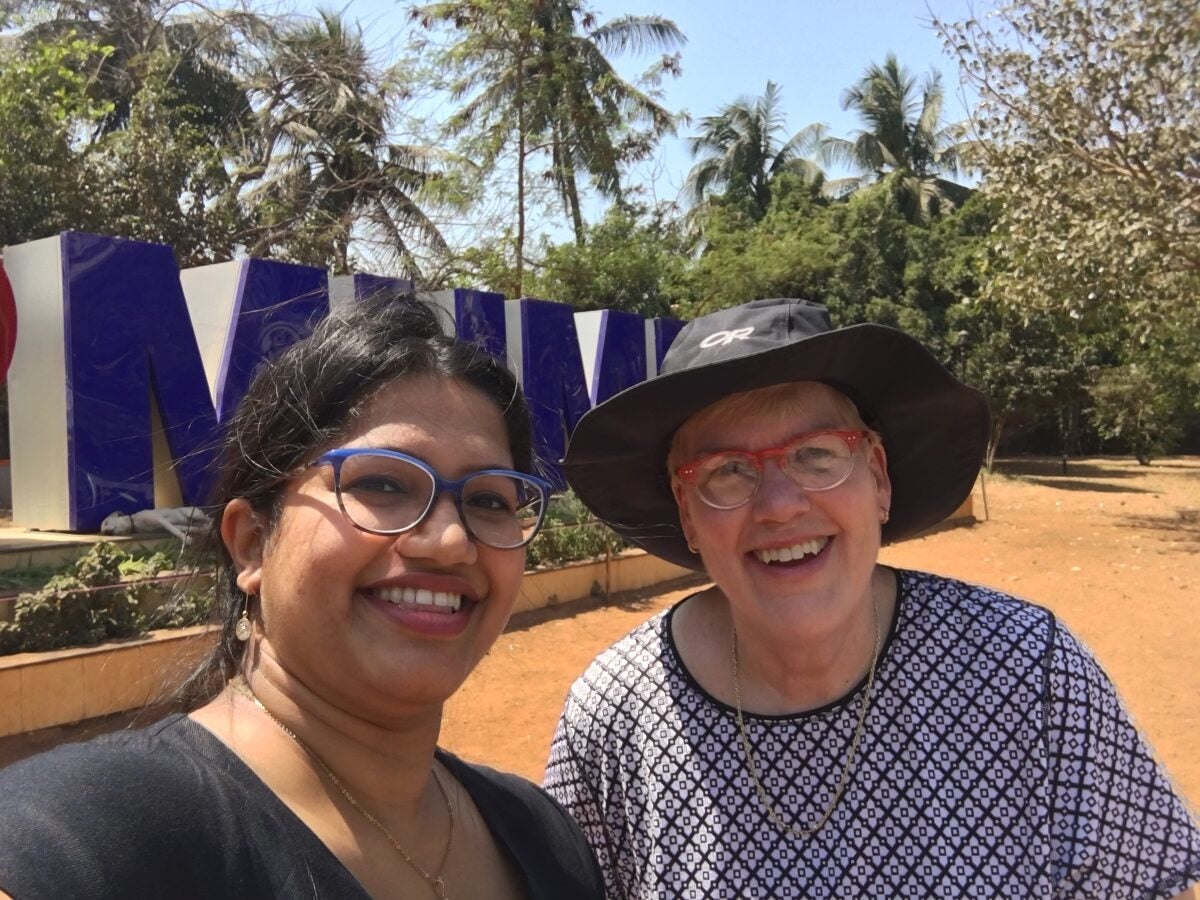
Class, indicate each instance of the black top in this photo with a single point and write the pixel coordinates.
(170, 811)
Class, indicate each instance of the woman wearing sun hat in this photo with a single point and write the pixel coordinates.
(815, 724)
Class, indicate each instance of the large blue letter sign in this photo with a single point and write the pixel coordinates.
(543, 349)
(115, 316)
(125, 366)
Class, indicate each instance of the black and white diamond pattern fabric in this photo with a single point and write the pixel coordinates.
(998, 761)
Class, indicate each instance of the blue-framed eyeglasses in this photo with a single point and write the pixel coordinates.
(387, 492)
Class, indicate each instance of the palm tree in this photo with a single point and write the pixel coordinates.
(743, 149)
(583, 103)
(332, 175)
(536, 75)
(204, 46)
(904, 140)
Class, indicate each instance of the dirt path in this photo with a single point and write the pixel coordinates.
(1112, 548)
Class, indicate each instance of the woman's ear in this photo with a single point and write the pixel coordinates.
(877, 460)
(244, 537)
(685, 513)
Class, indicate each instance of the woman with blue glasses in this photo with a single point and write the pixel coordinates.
(375, 499)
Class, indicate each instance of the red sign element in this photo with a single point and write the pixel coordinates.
(8, 323)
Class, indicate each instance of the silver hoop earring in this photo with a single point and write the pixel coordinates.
(884, 515)
(695, 552)
(243, 629)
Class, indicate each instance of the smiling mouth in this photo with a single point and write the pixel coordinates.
(793, 553)
(430, 601)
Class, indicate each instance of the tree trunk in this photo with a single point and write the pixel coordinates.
(573, 202)
(993, 441)
(520, 184)
(564, 175)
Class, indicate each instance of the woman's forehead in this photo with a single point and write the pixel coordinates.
(791, 399)
(798, 405)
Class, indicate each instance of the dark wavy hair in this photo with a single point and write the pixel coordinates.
(305, 400)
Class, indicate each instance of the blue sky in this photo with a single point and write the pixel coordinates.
(812, 50)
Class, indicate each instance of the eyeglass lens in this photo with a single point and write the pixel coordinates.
(390, 495)
(815, 462)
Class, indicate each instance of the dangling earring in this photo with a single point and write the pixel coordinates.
(243, 629)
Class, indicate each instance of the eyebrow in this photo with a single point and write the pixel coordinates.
(511, 467)
(741, 448)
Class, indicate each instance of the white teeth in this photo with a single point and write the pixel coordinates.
(421, 597)
(797, 551)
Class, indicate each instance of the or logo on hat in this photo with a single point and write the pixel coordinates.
(721, 338)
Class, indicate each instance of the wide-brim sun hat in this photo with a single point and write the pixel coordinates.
(934, 427)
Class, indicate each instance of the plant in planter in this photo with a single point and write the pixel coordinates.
(98, 598)
(570, 533)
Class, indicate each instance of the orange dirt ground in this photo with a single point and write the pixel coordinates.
(1112, 548)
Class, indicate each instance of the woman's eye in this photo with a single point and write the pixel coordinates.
(812, 455)
(490, 502)
(733, 467)
(375, 484)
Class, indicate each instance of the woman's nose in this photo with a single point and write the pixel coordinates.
(778, 498)
(441, 535)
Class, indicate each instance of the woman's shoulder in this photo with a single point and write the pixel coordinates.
(630, 659)
(939, 609)
(166, 810)
(546, 843)
(129, 783)
(149, 753)
(101, 812)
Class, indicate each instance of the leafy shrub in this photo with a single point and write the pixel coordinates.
(9, 642)
(191, 605)
(571, 533)
(96, 599)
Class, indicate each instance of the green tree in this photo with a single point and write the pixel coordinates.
(590, 113)
(630, 262)
(532, 80)
(1031, 370)
(791, 252)
(904, 141)
(744, 148)
(1132, 405)
(44, 101)
(333, 178)
(1089, 120)
(162, 178)
(130, 38)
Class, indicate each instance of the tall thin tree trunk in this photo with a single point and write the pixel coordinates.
(520, 178)
(573, 202)
(565, 177)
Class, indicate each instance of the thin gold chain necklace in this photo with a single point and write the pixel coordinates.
(773, 813)
(436, 880)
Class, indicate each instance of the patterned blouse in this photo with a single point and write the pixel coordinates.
(997, 761)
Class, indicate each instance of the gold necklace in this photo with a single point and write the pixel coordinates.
(773, 813)
(436, 882)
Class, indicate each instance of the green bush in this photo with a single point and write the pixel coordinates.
(571, 533)
(9, 642)
(96, 599)
(189, 606)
